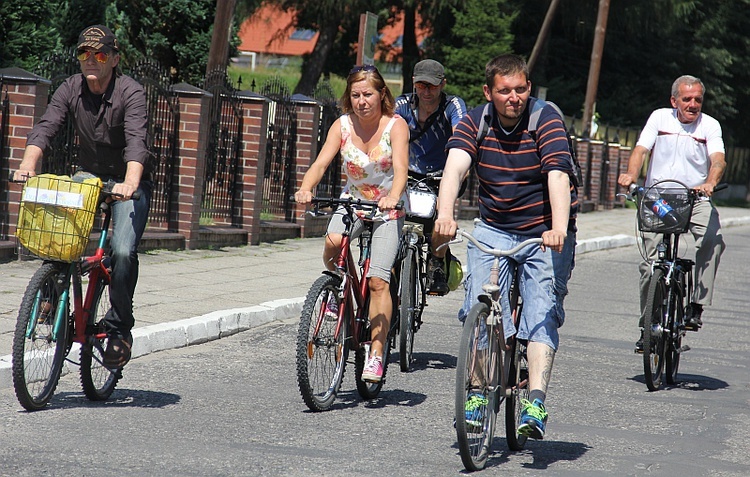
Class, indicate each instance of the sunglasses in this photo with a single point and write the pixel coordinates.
(100, 56)
(365, 68)
(426, 86)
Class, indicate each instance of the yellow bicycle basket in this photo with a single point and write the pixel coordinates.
(56, 216)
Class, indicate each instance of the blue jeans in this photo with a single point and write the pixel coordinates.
(129, 220)
(543, 284)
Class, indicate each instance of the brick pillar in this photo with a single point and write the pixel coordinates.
(27, 96)
(252, 161)
(308, 125)
(190, 174)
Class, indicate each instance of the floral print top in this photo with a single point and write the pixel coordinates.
(369, 176)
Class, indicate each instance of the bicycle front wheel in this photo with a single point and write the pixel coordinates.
(98, 382)
(409, 293)
(654, 332)
(518, 380)
(321, 352)
(477, 378)
(40, 341)
(676, 332)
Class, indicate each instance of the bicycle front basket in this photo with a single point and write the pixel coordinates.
(56, 216)
(665, 207)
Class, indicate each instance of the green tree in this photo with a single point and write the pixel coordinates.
(176, 33)
(482, 30)
(27, 32)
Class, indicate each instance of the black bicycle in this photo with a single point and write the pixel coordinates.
(414, 255)
(665, 208)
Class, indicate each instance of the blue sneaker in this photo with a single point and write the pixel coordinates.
(475, 409)
(533, 419)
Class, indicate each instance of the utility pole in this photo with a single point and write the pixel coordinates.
(596, 64)
(219, 50)
(543, 34)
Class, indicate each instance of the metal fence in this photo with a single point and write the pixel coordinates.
(62, 158)
(222, 156)
(163, 136)
(279, 177)
(330, 185)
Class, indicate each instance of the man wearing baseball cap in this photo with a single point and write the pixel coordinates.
(109, 112)
(431, 115)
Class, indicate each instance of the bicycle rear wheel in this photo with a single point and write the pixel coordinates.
(40, 341)
(654, 332)
(98, 382)
(408, 308)
(477, 378)
(518, 380)
(321, 353)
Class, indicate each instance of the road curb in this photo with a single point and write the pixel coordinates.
(191, 331)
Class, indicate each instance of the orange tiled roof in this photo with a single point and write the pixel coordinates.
(268, 31)
(262, 33)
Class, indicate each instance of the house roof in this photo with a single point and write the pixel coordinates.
(270, 30)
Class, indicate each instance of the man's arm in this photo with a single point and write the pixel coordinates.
(558, 183)
(31, 156)
(715, 173)
(456, 167)
(635, 163)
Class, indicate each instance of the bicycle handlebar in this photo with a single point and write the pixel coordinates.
(106, 187)
(496, 251)
(634, 189)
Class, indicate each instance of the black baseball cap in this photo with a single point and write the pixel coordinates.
(98, 37)
(429, 71)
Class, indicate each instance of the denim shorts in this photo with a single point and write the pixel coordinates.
(385, 241)
(543, 284)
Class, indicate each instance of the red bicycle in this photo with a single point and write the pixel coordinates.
(323, 341)
(46, 330)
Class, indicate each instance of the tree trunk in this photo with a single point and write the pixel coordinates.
(312, 66)
(218, 53)
(410, 55)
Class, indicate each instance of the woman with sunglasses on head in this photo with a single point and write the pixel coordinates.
(108, 110)
(374, 147)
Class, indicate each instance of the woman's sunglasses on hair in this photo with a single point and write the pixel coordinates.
(359, 68)
(100, 56)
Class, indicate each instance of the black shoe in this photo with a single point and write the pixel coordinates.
(118, 351)
(639, 344)
(693, 320)
(436, 281)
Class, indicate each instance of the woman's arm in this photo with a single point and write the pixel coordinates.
(400, 148)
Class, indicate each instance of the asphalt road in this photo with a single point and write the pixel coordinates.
(232, 407)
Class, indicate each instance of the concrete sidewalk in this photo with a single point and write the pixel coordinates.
(193, 296)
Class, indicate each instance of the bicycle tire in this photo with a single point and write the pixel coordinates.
(518, 381)
(654, 335)
(475, 441)
(677, 331)
(409, 293)
(38, 350)
(97, 381)
(321, 355)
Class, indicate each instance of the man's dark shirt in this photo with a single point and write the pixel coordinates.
(111, 127)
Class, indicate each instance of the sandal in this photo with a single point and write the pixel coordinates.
(118, 352)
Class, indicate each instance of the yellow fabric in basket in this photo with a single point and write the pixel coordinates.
(56, 216)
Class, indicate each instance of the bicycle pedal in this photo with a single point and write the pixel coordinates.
(683, 348)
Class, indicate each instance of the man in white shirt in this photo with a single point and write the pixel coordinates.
(685, 145)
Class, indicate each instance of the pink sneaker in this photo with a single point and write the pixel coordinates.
(332, 308)
(373, 371)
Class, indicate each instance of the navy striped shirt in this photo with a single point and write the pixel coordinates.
(512, 169)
